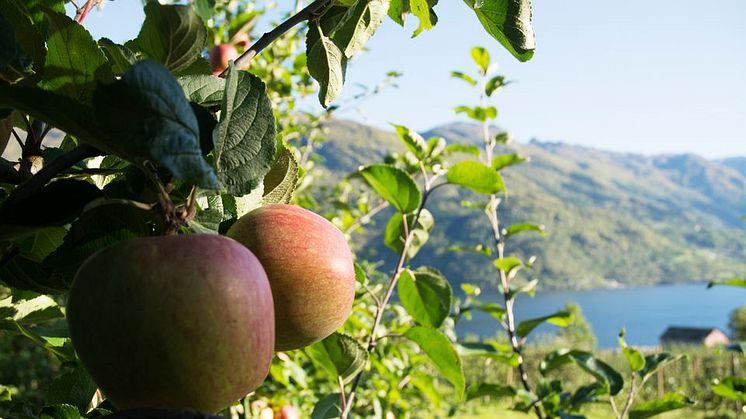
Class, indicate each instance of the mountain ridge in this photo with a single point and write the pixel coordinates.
(612, 218)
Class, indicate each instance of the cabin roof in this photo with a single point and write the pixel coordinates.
(688, 334)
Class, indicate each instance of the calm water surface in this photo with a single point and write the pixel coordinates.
(645, 311)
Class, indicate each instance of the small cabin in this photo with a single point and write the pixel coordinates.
(707, 336)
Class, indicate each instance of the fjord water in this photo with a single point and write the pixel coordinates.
(644, 311)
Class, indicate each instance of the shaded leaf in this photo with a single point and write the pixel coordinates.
(359, 24)
(509, 22)
(667, 403)
(74, 388)
(244, 138)
(172, 34)
(394, 235)
(326, 64)
(489, 389)
(74, 61)
(280, 181)
(204, 90)
(329, 407)
(147, 117)
(340, 355)
(61, 411)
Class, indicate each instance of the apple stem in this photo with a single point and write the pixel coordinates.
(309, 12)
(167, 207)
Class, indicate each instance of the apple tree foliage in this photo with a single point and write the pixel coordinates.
(120, 141)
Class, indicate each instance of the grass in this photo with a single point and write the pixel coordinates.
(599, 411)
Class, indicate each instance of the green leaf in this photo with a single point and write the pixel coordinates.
(481, 58)
(61, 411)
(327, 64)
(204, 90)
(120, 57)
(74, 388)
(29, 59)
(426, 295)
(509, 264)
(393, 236)
(502, 161)
(245, 141)
(561, 319)
(492, 350)
(464, 77)
(424, 12)
(205, 9)
(58, 111)
(95, 229)
(340, 355)
(74, 61)
(655, 361)
(147, 117)
(479, 249)
(5, 392)
(735, 282)
(359, 24)
(494, 84)
(635, 359)
(492, 390)
(360, 275)
(667, 403)
(478, 113)
(393, 185)
(412, 140)
(280, 181)
(441, 352)
(509, 22)
(520, 228)
(733, 388)
(37, 310)
(329, 407)
(493, 309)
(23, 215)
(475, 176)
(463, 148)
(172, 35)
(602, 371)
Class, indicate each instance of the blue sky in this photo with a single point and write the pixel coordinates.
(643, 76)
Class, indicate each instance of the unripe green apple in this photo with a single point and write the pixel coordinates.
(173, 322)
(310, 270)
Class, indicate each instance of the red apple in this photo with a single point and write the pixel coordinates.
(173, 322)
(310, 270)
(220, 55)
(288, 412)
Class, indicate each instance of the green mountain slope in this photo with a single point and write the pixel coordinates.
(611, 218)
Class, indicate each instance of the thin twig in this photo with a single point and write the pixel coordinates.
(309, 12)
(499, 243)
(81, 13)
(381, 307)
(48, 172)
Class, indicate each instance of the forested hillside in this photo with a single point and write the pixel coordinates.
(611, 218)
